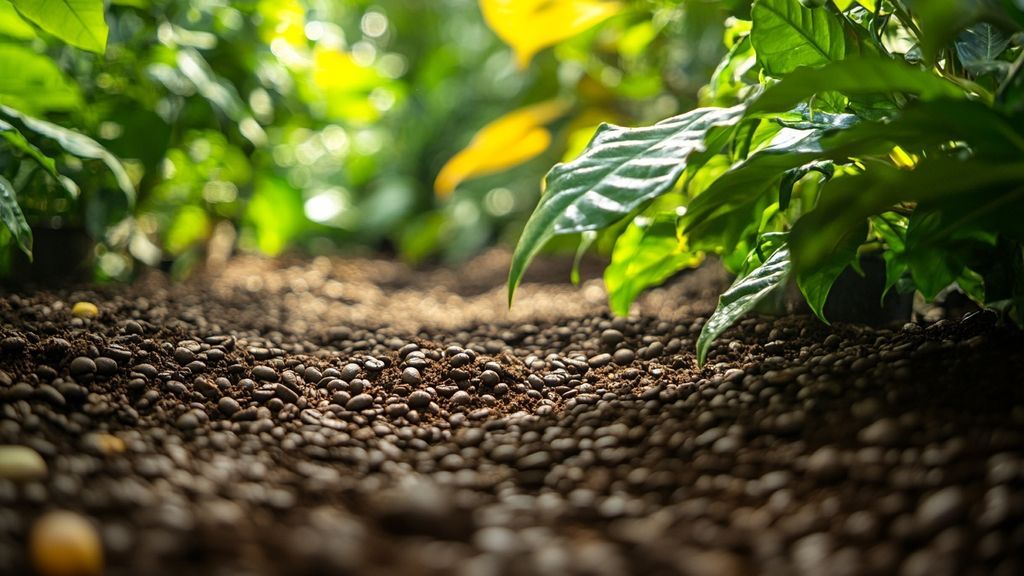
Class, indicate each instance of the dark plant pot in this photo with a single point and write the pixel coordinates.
(858, 299)
(60, 256)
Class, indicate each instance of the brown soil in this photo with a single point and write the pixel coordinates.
(336, 417)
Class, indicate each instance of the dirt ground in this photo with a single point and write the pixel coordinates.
(361, 417)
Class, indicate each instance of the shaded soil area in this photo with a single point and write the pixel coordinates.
(359, 417)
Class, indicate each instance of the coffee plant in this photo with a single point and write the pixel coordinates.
(831, 132)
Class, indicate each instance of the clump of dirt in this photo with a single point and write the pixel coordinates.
(346, 416)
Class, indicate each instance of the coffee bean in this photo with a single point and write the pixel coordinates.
(419, 400)
(489, 378)
(460, 398)
(106, 366)
(286, 394)
(350, 371)
(228, 406)
(187, 421)
(13, 344)
(599, 360)
(411, 376)
(359, 403)
(183, 355)
(264, 373)
(147, 370)
(82, 366)
(624, 356)
(611, 337)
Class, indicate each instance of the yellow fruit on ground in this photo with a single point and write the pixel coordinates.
(21, 463)
(85, 310)
(66, 544)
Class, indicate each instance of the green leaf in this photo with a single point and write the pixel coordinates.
(220, 93)
(941, 21)
(754, 177)
(17, 139)
(826, 168)
(846, 202)
(815, 283)
(859, 76)
(979, 48)
(648, 253)
(76, 144)
(787, 36)
(845, 5)
(275, 213)
(892, 229)
(80, 23)
(742, 297)
(33, 83)
(13, 218)
(621, 169)
(935, 261)
(12, 25)
(730, 79)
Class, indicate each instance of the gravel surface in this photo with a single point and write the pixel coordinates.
(359, 417)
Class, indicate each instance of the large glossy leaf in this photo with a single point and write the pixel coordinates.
(76, 144)
(816, 283)
(845, 203)
(858, 76)
(12, 25)
(17, 139)
(529, 26)
(938, 254)
(648, 253)
(979, 48)
(787, 36)
(33, 82)
(621, 169)
(752, 178)
(742, 297)
(941, 21)
(77, 22)
(12, 217)
(847, 4)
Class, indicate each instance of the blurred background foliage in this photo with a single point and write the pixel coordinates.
(419, 129)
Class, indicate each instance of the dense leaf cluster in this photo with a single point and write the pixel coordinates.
(832, 131)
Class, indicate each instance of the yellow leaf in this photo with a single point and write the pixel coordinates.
(903, 159)
(510, 140)
(529, 26)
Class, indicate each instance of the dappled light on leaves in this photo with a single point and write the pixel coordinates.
(529, 26)
(510, 140)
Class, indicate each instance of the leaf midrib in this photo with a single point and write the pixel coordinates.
(794, 26)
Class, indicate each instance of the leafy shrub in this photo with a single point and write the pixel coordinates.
(830, 131)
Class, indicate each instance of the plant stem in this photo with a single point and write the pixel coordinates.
(1011, 77)
(903, 15)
